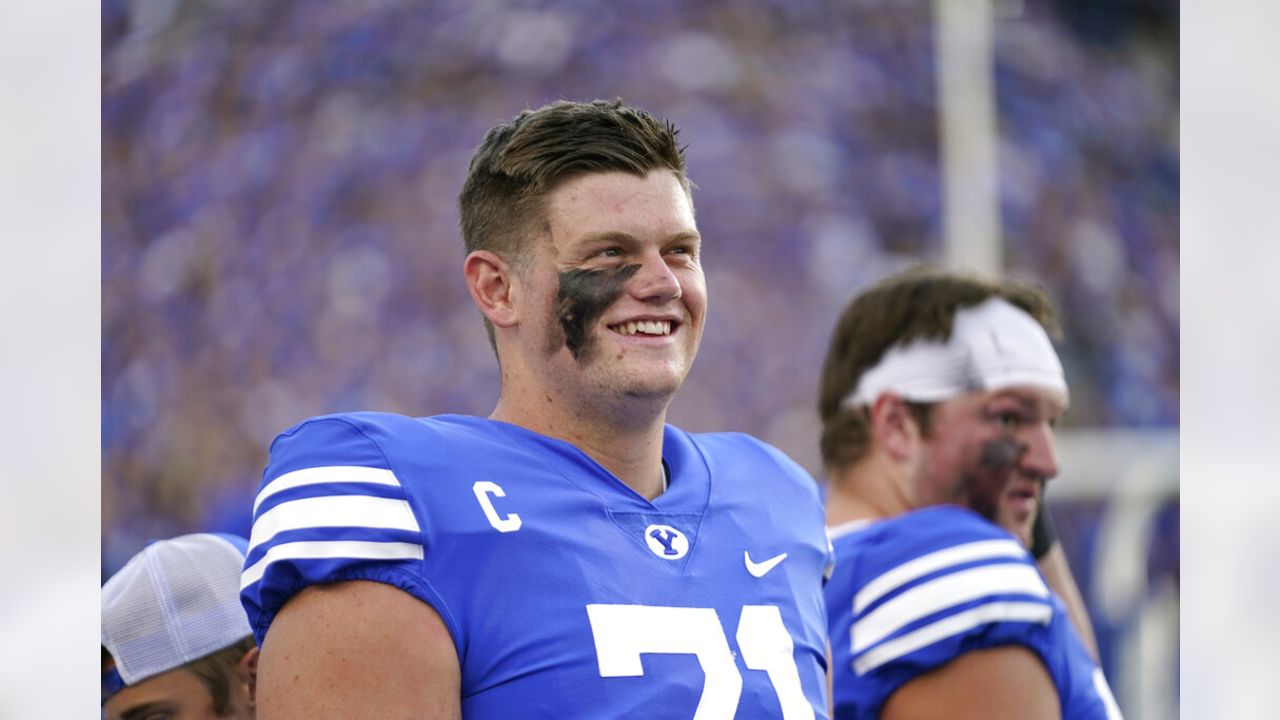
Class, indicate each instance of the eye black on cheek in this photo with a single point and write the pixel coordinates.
(1002, 453)
(583, 295)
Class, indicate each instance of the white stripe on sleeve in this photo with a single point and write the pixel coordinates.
(356, 550)
(333, 511)
(925, 564)
(325, 474)
(942, 593)
(1104, 691)
(953, 625)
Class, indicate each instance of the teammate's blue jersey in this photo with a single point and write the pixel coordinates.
(566, 593)
(911, 593)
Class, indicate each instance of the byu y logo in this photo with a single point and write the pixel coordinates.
(666, 542)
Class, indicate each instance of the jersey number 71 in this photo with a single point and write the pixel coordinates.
(624, 632)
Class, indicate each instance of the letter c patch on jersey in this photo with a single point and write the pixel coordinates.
(485, 491)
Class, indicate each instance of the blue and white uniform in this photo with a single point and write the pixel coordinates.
(566, 593)
(913, 592)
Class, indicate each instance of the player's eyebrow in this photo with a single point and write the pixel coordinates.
(1032, 405)
(619, 236)
(607, 235)
(145, 709)
(1014, 395)
(686, 235)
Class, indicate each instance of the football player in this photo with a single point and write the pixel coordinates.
(939, 396)
(571, 555)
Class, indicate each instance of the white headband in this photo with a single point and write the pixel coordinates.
(993, 345)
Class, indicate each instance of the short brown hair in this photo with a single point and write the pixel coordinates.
(503, 201)
(217, 671)
(919, 303)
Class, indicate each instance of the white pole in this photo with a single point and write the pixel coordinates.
(967, 128)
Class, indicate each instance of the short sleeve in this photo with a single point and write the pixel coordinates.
(932, 586)
(329, 509)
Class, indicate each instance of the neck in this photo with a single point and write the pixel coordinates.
(627, 444)
(636, 460)
(870, 489)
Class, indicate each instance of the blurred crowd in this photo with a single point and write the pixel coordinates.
(279, 206)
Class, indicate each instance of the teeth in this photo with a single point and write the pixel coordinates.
(644, 327)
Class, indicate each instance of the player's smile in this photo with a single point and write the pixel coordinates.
(646, 328)
(646, 331)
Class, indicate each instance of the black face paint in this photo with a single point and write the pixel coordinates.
(987, 482)
(1002, 453)
(584, 294)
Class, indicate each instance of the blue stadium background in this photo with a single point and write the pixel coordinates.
(279, 223)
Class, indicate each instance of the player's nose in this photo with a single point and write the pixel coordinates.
(655, 280)
(1041, 456)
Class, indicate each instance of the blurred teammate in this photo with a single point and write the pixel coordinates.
(175, 642)
(938, 397)
(571, 555)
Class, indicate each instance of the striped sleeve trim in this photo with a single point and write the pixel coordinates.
(325, 474)
(925, 564)
(320, 550)
(1032, 612)
(360, 511)
(944, 592)
(1101, 687)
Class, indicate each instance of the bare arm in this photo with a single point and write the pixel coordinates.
(1007, 682)
(1056, 571)
(358, 650)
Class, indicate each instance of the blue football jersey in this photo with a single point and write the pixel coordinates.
(566, 593)
(910, 593)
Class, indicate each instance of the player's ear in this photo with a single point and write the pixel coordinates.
(247, 671)
(893, 426)
(493, 286)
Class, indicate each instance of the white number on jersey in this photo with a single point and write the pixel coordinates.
(624, 632)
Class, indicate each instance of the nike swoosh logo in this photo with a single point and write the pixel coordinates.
(759, 569)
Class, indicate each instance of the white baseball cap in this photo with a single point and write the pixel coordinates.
(176, 601)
